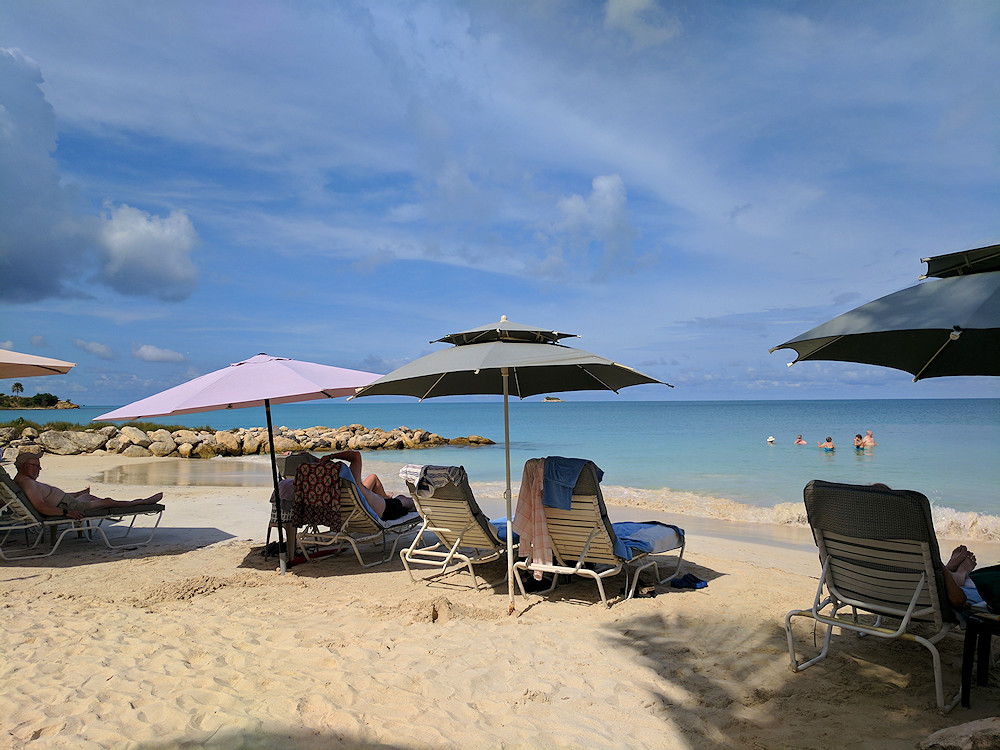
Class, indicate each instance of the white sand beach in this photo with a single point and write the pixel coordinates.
(196, 641)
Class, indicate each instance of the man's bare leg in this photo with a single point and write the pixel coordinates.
(373, 483)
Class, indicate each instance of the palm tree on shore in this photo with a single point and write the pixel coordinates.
(17, 388)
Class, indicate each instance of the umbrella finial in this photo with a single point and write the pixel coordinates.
(503, 318)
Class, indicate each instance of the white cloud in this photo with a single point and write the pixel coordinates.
(643, 20)
(49, 245)
(38, 341)
(150, 353)
(6, 344)
(97, 349)
(595, 232)
(148, 254)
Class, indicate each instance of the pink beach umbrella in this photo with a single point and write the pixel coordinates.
(259, 381)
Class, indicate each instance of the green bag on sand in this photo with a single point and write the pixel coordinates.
(987, 582)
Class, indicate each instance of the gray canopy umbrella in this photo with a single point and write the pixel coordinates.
(505, 358)
(947, 326)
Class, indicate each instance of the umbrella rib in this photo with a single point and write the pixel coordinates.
(951, 337)
(605, 385)
(798, 357)
(429, 390)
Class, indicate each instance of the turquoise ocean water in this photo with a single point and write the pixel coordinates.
(690, 453)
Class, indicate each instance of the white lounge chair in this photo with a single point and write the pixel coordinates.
(18, 515)
(586, 543)
(462, 533)
(880, 556)
(359, 524)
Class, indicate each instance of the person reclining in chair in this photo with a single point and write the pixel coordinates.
(388, 506)
(52, 501)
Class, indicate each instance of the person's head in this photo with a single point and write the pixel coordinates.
(869, 433)
(856, 437)
(829, 439)
(798, 437)
(27, 460)
(770, 438)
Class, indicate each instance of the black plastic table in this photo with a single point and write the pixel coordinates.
(981, 627)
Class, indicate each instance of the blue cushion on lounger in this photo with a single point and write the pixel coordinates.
(500, 524)
(648, 536)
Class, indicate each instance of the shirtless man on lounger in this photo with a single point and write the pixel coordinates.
(387, 505)
(52, 501)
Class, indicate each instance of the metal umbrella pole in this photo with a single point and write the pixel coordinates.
(507, 496)
(282, 557)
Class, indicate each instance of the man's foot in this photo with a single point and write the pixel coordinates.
(958, 556)
(149, 500)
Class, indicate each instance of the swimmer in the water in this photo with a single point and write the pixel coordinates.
(828, 445)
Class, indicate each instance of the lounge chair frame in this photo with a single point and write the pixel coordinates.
(18, 514)
(880, 556)
(463, 533)
(359, 525)
(583, 543)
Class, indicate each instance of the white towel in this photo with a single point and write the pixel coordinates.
(426, 479)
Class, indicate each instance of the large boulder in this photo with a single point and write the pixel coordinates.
(983, 734)
(136, 436)
(283, 445)
(29, 433)
(89, 441)
(251, 443)
(228, 444)
(55, 441)
(161, 436)
(117, 444)
(206, 450)
(184, 450)
(186, 436)
(162, 448)
(136, 451)
(7, 434)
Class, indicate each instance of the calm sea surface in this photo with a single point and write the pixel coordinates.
(947, 449)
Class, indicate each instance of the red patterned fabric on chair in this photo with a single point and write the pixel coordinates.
(317, 495)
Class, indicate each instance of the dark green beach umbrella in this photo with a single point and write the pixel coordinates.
(505, 358)
(944, 327)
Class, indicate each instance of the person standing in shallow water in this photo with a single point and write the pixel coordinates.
(828, 446)
(799, 440)
(868, 440)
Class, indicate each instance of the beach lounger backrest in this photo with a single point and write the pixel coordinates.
(453, 513)
(17, 511)
(880, 556)
(879, 549)
(583, 532)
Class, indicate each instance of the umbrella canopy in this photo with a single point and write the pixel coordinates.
(259, 381)
(948, 326)
(978, 260)
(505, 358)
(253, 382)
(17, 365)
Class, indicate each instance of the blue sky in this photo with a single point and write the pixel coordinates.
(684, 184)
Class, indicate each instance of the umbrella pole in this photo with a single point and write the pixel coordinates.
(510, 526)
(282, 558)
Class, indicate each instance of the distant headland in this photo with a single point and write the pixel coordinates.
(38, 401)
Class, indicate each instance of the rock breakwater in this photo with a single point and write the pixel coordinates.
(134, 442)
